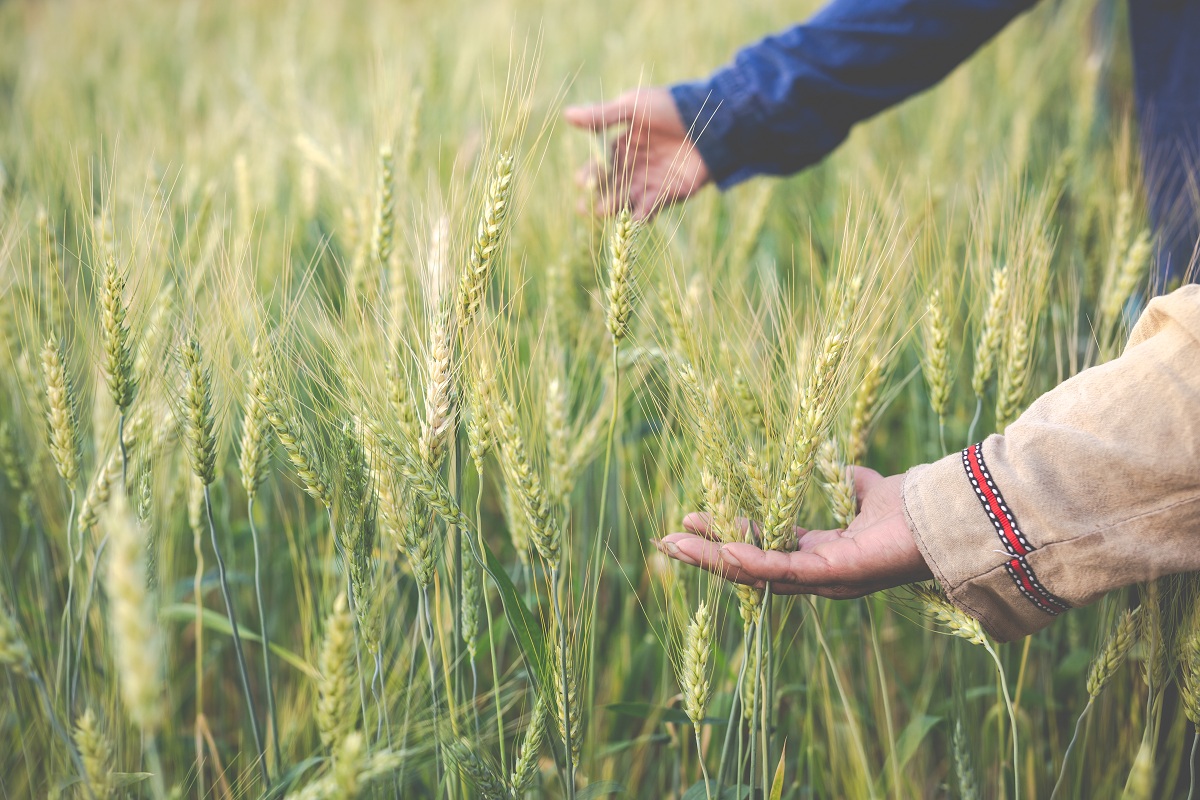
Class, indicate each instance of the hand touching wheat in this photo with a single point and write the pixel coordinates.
(652, 163)
(875, 552)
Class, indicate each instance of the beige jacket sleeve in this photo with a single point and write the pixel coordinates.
(1095, 487)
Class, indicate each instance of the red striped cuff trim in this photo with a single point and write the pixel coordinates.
(1015, 543)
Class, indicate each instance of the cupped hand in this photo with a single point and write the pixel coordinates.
(652, 162)
(876, 551)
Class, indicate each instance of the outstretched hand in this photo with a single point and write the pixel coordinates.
(875, 552)
(652, 162)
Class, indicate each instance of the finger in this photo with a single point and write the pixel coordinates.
(642, 206)
(700, 524)
(599, 116)
(745, 563)
(694, 550)
(610, 200)
(697, 523)
(809, 539)
(865, 480)
(646, 204)
(588, 176)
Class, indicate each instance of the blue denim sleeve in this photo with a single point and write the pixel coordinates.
(788, 100)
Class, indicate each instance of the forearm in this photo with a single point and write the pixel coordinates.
(1095, 487)
(788, 100)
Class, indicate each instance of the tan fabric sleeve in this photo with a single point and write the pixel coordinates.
(1096, 486)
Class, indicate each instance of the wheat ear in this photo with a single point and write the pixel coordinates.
(487, 241)
(118, 360)
(62, 415)
(385, 212)
(991, 331)
(527, 486)
(967, 788)
(620, 275)
(937, 359)
(477, 769)
(96, 754)
(696, 679)
(866, 407)
(202, 448)
(525, 768)
(133, 616)
(807, 429)
(838, 482)
(337, 711)
(958, 623)
(298, 450)
(1107, 662)
(439, 393)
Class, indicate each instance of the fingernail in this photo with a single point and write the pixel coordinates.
(730, 559)
(672, 548)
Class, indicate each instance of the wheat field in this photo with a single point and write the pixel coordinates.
(334, 440)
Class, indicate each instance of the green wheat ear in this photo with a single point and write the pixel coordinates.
(337, 707)
(486, 244)
(697, 651)
(198, 416)
(61, 412)
(96, 754)
(118, 358)
(620, 274)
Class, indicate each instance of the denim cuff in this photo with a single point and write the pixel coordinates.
(712, 110)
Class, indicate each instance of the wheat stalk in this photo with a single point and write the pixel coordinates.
(201, 448)
(1107, 662)
(959, 623)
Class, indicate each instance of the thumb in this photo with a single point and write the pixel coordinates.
(865, 480)
(602, 115)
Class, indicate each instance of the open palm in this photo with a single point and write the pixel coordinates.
(876, 551)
